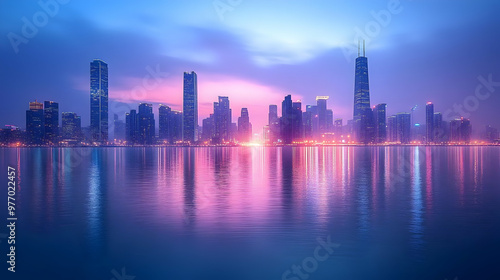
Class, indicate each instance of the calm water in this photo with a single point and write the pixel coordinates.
(254, 212)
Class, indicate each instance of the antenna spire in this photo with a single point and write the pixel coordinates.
(364, 49)
(358, 47)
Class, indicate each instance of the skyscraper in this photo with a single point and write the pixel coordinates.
(438, 129)
(222, 121)
(163, 122)
(119, 128)
(321, 103)
(244, 126)
(315, 132)
(190, 107)
(392, 129)
(362, 117)
(51, 122)
(208, 128)
(274, 123)
(35, 124)
(429, 122)
(403, 128)
(379, 117)
(71, 127)
(146, 124)
(99, 101)
(175, 126)
(131, 127)
(297, 120)
(286, 123)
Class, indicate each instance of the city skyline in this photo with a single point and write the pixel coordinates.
(243, 64)
(316, 123)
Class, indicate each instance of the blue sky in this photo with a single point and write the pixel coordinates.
(255, 52)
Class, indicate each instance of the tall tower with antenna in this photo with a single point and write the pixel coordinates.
(362, 114)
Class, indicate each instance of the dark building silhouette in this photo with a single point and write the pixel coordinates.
(321, 103)
(163, 122)
(429, 122)
(146, 124)
(222, 121)
(208, 128)
(190, 107)
(51, 122)
(460, 130)
(132, 127)
(379, 119)
(439, 129)
(403, 123)
(169, 124)
(273, 123)
(35, 124)
(119, 128)
(71, 129)
(286, 121)
(307, 125)
(392, 129)
(362, 117)
(297, 121)
(314, 123)
(11, 135)
(99, 101)
(244, 126)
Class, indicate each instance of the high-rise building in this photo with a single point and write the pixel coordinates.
(313, 109)
(465, 130)
(169, 124)
(392, 129)
(163, 122)
(321, 103)
(35, 124)
(190, 107)
(297, 120)
(146, 124)
(132, 127)
(274, 124)
(71, 127)
(307, 125)
(175, 126)
(403, 128)
(222, 121)
(286, 121)
(429, 122)
(337, 127)
(51, 122)
(99, 101)
(439, 131)
(379, 120)
(119, 128)
(208, 128)
(362, 117)
(244, 126)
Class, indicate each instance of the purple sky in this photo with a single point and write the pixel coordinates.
(255, 52)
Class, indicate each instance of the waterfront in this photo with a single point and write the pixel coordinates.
(402, 212)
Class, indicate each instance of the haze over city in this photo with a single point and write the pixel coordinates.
(417, 53)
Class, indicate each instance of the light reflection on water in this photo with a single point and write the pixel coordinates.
(252, 212)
